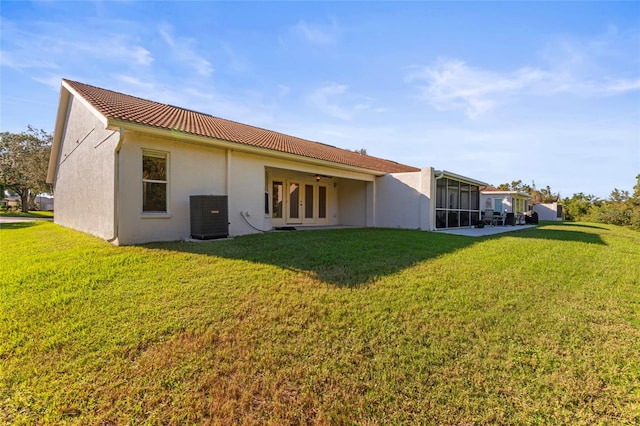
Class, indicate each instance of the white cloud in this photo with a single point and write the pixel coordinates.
(54, 81)
(452, 84)
(620, 86)
(318, 34)
(589, 67)
(24, 60)
(283, 91)
(330, 99)
(45, 46)
(233, 60)
(183, 51)
(114, 47)
(131, 81)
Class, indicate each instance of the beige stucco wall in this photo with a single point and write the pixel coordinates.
(84, 182)
(244, 177)
(352, 202)
(193, 170)
(403, 200)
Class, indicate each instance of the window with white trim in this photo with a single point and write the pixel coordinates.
(154, 181)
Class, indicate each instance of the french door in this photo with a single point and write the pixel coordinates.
(304, 201)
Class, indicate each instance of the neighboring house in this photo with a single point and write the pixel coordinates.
(124, 169)
(505, 201)
(11, 202)
(44, 203)
(549, 211)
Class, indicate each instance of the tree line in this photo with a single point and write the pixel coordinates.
(621, 208)
(543, 195)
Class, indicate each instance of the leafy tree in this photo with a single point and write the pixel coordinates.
(515, 185)
(579, 206)
(635, 204)
(618, 196)
(24, 158)
(361, 151)
(545, 195)
(621, 208)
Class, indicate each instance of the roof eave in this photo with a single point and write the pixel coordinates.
(521, 194)
(220, 143)
(66, 92)
(461, 178)
(61, 116)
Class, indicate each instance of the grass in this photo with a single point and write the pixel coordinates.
(357, 326)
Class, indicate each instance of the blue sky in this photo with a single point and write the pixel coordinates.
(498, 91)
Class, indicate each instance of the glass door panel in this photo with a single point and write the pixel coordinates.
(294, 203)
(308, 201)
(278, 200)
(322, 202)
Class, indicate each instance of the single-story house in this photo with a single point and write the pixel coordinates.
(131, 170)
(11, 201)
(504, 201)
(44, 203)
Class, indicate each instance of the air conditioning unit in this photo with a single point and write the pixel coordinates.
(209, 216)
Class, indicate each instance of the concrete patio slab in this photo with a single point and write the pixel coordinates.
(487, 230)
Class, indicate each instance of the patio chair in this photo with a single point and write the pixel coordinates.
(510, 219)
(488, 217)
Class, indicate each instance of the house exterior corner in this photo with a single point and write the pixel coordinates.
(84, 177)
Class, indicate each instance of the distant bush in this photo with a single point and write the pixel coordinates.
(621, 208)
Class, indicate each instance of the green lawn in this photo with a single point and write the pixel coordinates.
(354, 326)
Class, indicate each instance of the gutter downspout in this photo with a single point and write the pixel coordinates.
(116, 188)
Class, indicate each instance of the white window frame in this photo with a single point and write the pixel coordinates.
(166, 156)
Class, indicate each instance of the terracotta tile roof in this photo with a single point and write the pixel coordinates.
(118, 106)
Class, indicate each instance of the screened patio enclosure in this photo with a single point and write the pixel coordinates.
(457, 203)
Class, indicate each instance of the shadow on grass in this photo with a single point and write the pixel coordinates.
(30, 215)
(353, 257)
(582, 225)
(561, 234)
(343, 257)
(17, 225)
